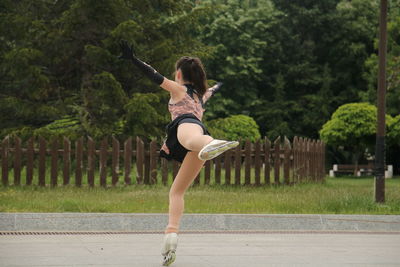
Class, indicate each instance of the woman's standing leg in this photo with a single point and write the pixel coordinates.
(188, 171)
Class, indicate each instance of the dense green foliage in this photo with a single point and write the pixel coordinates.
(60, 58)
(394, 131)
(352, 127)
(234, 128)
(287, 64)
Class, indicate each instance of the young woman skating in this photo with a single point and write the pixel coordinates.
(188, 140)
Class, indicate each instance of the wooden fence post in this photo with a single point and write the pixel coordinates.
(66, 160)
(103, 162)
(207, 172)
(42, 161)
(304, 160)
(78, 161)
(277, 160)
(115, 161)
(295, 160)
(321, 156)
(299, 159)
(139, 160)
(17, 161)
(247, 163)
(128, 160)
(314, 160)
(310, 156)
(147, 166)
(257, 163)
(267, 166)
(323, 160)
(321, 151)
(153, 162)
(175, 169)
(317, 161)
(164, 171)
(238, 163)
(308, 159)
(29, 162)
(217, 171)
(91, 157)
(197, 179)
(54, 162)
(286, 164)
(227, 166)
(4, 160)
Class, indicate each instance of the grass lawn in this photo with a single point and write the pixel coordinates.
(346, 195)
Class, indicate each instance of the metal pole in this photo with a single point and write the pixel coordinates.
(380, 134)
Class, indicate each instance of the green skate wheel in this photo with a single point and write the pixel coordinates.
(169, 258)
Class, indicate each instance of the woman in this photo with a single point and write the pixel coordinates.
(188, 140)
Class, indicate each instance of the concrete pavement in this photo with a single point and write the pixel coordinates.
(234, 240)
(203, 250)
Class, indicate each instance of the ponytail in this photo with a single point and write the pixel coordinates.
(193, 72)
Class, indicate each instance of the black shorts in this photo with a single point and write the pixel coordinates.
(176, 150)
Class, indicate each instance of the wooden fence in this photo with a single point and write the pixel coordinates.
(259, 163)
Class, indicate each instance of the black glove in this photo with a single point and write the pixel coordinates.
(217, 87)
(127, 51)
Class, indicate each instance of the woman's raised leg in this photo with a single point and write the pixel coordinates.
(191, 137)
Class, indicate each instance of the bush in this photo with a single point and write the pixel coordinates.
(394, 131)
(65, 127)
(234, 128)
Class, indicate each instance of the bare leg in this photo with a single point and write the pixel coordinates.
(191, 137)
(188, 171)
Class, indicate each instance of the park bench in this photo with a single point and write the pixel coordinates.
(366, 169)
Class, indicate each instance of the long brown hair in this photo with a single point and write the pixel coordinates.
(193, 72)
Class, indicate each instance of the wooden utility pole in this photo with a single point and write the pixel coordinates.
(381, 103)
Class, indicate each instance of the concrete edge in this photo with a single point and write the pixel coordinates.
(156, 222)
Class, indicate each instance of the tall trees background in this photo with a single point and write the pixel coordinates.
(287, 64)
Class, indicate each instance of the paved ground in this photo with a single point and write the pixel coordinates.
(203, 250)
(207, 240)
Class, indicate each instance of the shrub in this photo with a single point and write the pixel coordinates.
(234, 128)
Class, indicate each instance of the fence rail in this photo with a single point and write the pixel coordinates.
(259, 163)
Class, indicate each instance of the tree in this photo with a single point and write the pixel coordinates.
(274, 115)
(317, 48)
(393, 64)
(60, 59)
(239, 32)
(352, 127)
(27, 98)
(394, 131)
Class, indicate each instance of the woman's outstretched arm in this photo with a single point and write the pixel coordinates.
(211, 91)
(149, 71)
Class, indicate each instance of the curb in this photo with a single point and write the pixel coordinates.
(156, 222)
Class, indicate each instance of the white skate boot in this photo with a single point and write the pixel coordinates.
(216, 148)
(169, 248)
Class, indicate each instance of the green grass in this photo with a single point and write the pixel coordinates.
(344, 195)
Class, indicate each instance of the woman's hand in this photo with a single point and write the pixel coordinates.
(216, 87)
(127, 51)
